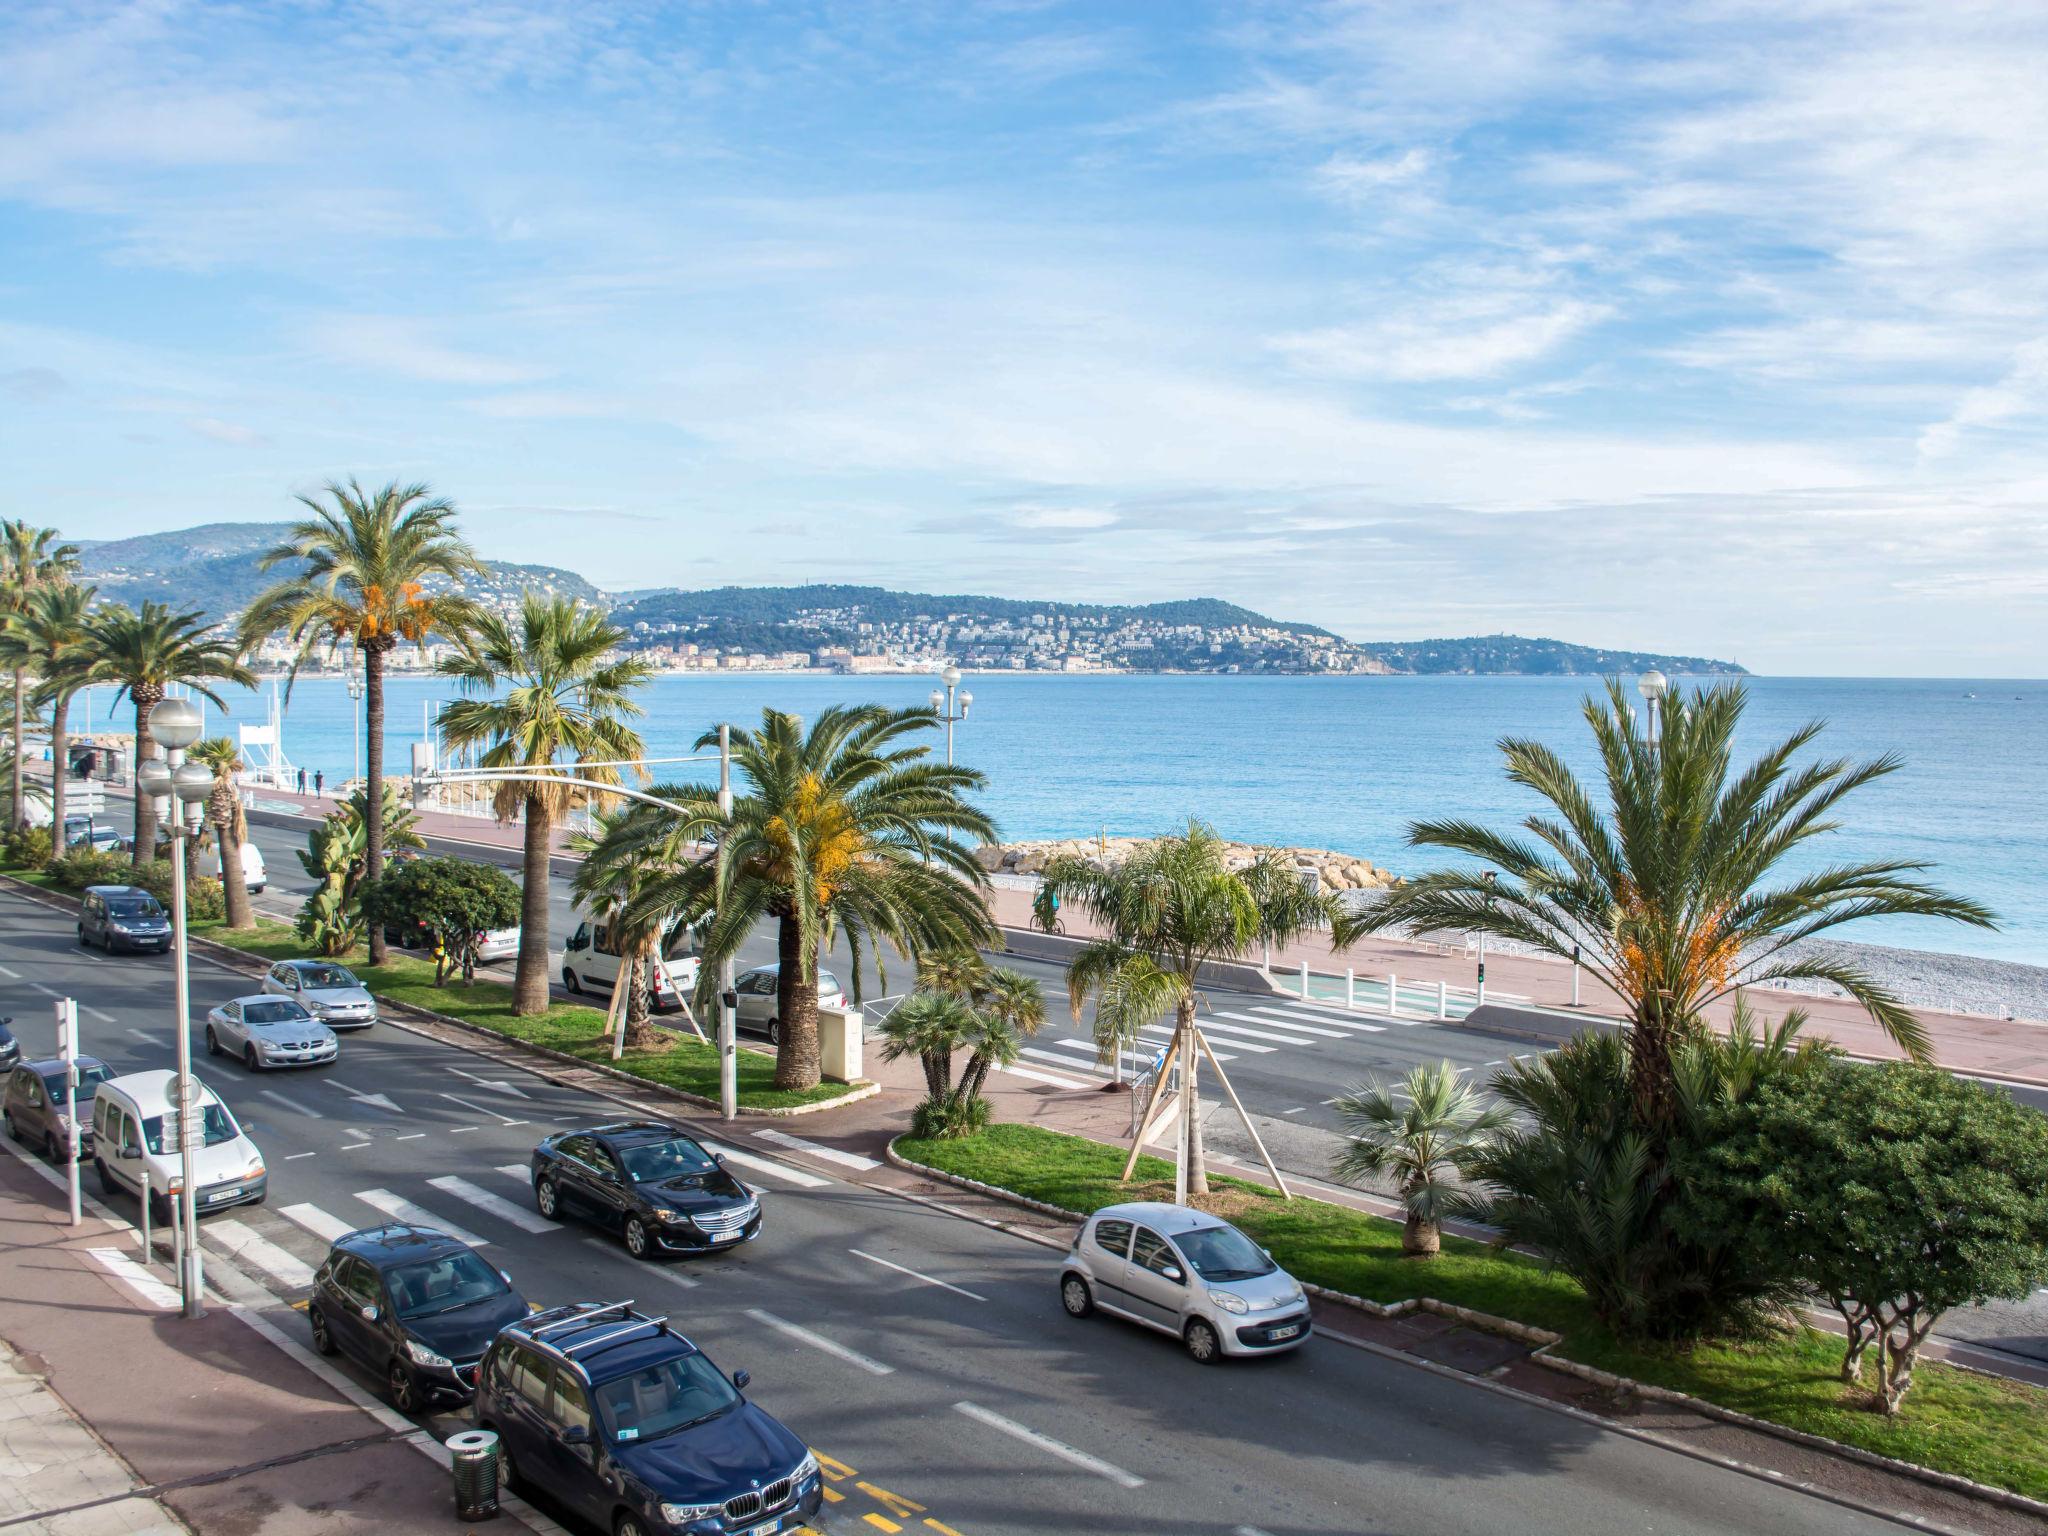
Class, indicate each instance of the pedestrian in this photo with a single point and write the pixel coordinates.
(319, 778)
(302, 781)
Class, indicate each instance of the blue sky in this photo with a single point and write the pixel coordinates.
(1719, 328)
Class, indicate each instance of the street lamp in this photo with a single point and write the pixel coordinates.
(1481, 993)
(942, 704)
(1653, 686)
(176, 724)
(355, 720)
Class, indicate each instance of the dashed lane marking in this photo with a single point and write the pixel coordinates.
(927, 1279)
(820, 1342)
(10, 975)
(290, 1103)
(1050, 1446)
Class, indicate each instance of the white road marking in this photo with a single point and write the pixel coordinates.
(291, 1104)
(135, 1277)
(1088, 1048)
(1162, 1032)
(1067, 1063)
(463, 1130)
(795, 1176)
(254, 1248)
(517, 1171)
(1053, 1447)
(398, 1208)
(1044, 1077)
(377, 1100)
(927, 1279)
(315, 1221)
(10, 975)
(143, 1034)
(1239, 1033)
(293, 1157)
(1350, 1022)
(501, 1119)
(819, 1341)
(411, 1136)
(830, 1154)
(496, 1084)
(104, 1018)
(503, 1209)
(1273, 1021)
(1302, 1109)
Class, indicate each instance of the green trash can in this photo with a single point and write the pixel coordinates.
(473, 1455)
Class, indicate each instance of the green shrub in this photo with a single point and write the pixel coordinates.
(452, 901)
(205, 901)
(90, 866)
(949, 1116)
(29, 847)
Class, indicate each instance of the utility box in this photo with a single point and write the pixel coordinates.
(839, 1043)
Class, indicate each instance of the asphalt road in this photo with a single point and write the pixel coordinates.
(951, 1381)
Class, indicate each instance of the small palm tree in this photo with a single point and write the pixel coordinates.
(230, 826)
(364, 564)
(31, 560)
(621, 860)
(1009, 1009)
(1166, 911)
(1425, 1146)
(931, 1026)
(567, 692)
(144, 651)
(1672, 885)
(45, 637)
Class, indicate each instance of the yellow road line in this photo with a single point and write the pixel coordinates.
(836, 1470)
(832, 1495)
(941, 1527)
(897, 1505)
(881, 1524)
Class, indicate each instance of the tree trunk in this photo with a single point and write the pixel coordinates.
(530, 981)
(1191, 1101)
(1420, 1239)
(234, 887)
(640, 1030)
(60, 750)
(145, 697)
(373, 780)
(1652, 1092)
(18, 806)
(796, 1004)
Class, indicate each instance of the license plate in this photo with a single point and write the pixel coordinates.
(768, 1529)
(1286, 1333)
(726, 1237)
(222, 1194)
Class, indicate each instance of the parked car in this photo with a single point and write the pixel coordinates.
(10, 1048)
(627, 1423)
(649, 1182)
(498, 944)
(413, 1305)
(89, 832)
(123, 917)
(254, 875)
(590, 959)
(269, 1032)
(330, 992)
(32, 1105)
(759, 1011)
(1185, 1273)
(133, 1154)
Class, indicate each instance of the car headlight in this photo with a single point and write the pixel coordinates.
(421, 1355)
(664, 1214)
(318, 1010)
(255, 1168)
(1231, 1302)
(683, 1514)
(808, 1467)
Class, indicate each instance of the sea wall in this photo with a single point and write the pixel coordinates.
(1333, 871)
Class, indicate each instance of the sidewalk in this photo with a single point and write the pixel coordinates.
(117, 1415)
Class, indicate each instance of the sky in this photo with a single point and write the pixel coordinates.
(1717, 329)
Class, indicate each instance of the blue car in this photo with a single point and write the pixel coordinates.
(621, 1419)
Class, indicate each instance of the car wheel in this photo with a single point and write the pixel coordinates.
(212, 1042)
(159, 1209)
(81, 935)
(548, 1198)
(249, 1059)
(629, 1525)
(775, 1032)
(637, 1242)
(569, 980)
(107, 1185)
(323, 1341)
(508, 1475)
(51, 1149)
(1075, 1298)
(1203, 1345)
(13, 1130)
(405, 1392)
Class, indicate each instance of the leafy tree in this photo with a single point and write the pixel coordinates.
(1170, 908)
(337, 855)
(452, 901)
(46, 635)
(1673, 888)
(31, 560)
(548, 687)
(628, 851)
(230, 826)
(1426, 1145)
(364, 562)
(1896, 1191)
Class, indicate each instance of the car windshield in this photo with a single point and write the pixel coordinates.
(665, 1160)
(220, 1127)
(1223, 1253)
(664, 1398)
(827, 984)
(134, 906)
(273, 1010)
(443, 1284)
(88, 1076)
(323, 976)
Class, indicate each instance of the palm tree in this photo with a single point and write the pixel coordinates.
(1426, 1145)
(628, 850)
(843, 827)
(567, 693)
(1673, 886)
(1166, 911)
(30, 561)
(230, 826)
(144, 651)
(999, 1010)
(930, 1026)
(46, 637)
(366, 561)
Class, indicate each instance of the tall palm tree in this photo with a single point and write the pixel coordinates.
(365, 561)
(622, 858)
(144, 651)
(1672, 881)
(1170, 908)
(843, 827)
(568, 694)
(45, 637)
(1426, 1145)
(230, 826)
(31, 560)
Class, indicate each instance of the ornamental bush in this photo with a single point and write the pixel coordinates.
(29, 847)
(451, 901)
(90, 866)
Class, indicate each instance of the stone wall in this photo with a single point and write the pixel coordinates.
(1333, 871)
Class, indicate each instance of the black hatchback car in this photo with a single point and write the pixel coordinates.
(123, 917)
(413, 1305)
(630, 1425)
(655, 1186)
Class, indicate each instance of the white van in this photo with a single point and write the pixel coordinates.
(590, 963)
(132, 1152)
(254, 875)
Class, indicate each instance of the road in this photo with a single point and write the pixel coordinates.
(926, 1355)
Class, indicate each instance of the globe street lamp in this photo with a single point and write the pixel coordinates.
(942, 704)
(1654, 685)
(355, 720)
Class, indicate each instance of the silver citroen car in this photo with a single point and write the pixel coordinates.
(1184, 1273)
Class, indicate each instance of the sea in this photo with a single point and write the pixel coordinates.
(1350, 762)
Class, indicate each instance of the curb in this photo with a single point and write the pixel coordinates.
(1544, 1340)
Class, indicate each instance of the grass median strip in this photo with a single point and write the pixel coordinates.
(1954, 1421)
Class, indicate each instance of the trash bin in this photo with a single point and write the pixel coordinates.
(474, 1454)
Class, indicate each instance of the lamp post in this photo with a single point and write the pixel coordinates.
(355, 721)
(176, 724)
(1653, 685)
(1481, 993)
(942, 704)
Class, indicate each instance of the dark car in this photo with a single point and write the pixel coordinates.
(123, 917)
(10, 1048)
(32, 1106)
(413, 1305)
(629, 1424)
(648, 1182)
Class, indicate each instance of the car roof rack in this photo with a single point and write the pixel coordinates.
(629, 1324)
(584, 1312)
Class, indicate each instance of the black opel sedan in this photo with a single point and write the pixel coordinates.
(656, 1187)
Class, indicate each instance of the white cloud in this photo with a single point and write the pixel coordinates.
(1062, 517)
(407, 348)
(1454, 344)
(214, 430)
(2021, 395)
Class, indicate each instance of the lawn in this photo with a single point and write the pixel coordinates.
(1954, 1421)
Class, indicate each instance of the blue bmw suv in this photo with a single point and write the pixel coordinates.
(623, 1420)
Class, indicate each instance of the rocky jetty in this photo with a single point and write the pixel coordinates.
(1333, 871)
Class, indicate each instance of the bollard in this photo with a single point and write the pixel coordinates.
(1304, 981)
(1350, 988)
(1393, 995)
(473, 1457)
(1443, 1000)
